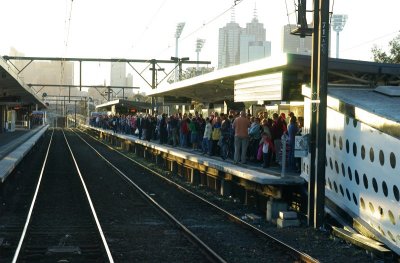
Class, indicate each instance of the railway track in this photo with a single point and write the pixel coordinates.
(62, 223)
(93, 204)
(233, 238)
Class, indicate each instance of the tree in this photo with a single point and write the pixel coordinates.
(394, 52)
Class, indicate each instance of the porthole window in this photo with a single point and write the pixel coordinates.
(343, 170)
(380, 210)
(329, 183)
(347, 120)
(356, 177)
(385, 189)
(355, 123)
(362, 203)
(396, 193)
(350, 174)
(347, 146)
(348, 194)
(362, 152)
(355, 199)
(340, 143)
(375, 185)
(381, 157)
(330, 163)
(341, 190)
(371, 208)
(329, 138)
(371, 155)
(392, 160)
(365, 179)
(337, 167)
(391, 236)
(335, 186)
(334, 141)
(391, 217)
(354, 149)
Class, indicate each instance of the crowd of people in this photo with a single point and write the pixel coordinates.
(238, 135)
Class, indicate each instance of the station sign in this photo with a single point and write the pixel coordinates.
(260, 88)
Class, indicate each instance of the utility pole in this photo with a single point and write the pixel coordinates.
(322, 93)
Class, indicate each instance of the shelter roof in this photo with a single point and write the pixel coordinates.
(13, 90)
(125, 103)
(219, 85)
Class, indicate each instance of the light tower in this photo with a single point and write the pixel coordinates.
(199, 46)
(338, 23)
(178, 32)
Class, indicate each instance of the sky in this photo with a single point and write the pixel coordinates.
(135, 29)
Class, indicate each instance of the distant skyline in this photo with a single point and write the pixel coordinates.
(145, 29)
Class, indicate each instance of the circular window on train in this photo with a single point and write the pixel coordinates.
(340, 143)
(391, 217)
(347, 146)
(348, 194)
(381, 157)
(343, 170)
(392, 160)
(334, 141)
(335, 186)
(362, 203)
(375, 185)
(362, 152)
(347, 120)
(350, 174)
(329, 183)
(341, 190)
(355, 199)
(385, 188)
(329, 138)
(354, 149)
(337, 167)
(371, 155)
(356, 177)
(365, 179)
(355, 122)
(371, 208)
(396, 193)
(330, 163)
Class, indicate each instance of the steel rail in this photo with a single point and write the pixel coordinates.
(110, 258)
(28, 218)
(293, 251)
(209, 252)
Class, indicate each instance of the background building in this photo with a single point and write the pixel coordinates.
(240, 45)
(295, 44)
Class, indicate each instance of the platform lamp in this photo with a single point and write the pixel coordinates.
(178, 32)
(338, 23)
(199, 46)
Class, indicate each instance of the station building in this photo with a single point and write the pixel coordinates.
(362, 174)
(19, 105)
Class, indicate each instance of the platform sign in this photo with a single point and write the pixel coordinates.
(301, 144)
(260, 88)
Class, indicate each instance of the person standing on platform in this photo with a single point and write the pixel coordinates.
(241, 126)
(207, 136)
(293, 129)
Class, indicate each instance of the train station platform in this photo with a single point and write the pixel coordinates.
(14, 146)
(250, 172)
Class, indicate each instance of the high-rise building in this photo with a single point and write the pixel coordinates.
(118, 78)
(228, 44)
(239, 45)
(295, 44)
(42, 72)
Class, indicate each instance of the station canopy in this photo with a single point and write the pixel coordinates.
(276, 78)
(124, 106)
(13, 91)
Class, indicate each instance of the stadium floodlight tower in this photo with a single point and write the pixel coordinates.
(338, 23)
(178, 32)
(199, 46)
